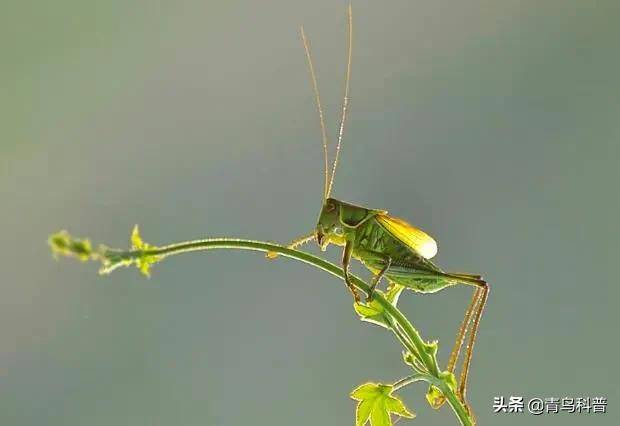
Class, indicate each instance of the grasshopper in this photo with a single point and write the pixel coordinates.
(388, 246)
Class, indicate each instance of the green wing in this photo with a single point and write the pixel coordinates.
(409, 235)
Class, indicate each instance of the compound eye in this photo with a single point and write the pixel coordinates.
(330, 207)
(338, 230)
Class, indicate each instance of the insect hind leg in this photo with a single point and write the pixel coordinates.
(460, 338)
(483, 288)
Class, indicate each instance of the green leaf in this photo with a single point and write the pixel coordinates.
(435, 397)
(370, 310)
(376, 403)
(413, 361)
(396, 406)
(62, 244)
(143, 261)
(374, 313)
(393, 293)
(408, 358)
(431, 348)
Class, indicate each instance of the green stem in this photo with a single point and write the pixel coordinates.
(411, 335)
(450, 396)
(413, 378)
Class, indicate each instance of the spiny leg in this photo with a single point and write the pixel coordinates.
(460, 338)
(377, 259)
(293, 244)
(483, 287)
(377, 278)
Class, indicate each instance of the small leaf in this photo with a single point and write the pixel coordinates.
(62, 244)
(393, 293)
(374, 313)
(379, 416)
(366, 310)
(364, 391)
(362, 412)
(431, 348)
(435, 397)
(376, 403)
(412, 361)
(136, 239)
(141, 253)
(143, 261)
(408, 358)
(396, 406)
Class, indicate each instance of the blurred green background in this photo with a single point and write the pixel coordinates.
(492, 125)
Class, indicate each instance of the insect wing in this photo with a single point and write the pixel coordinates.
(413, 237)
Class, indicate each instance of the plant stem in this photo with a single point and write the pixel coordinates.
(409, 333)
(411, 379)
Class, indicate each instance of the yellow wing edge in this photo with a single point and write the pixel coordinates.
(413, 237)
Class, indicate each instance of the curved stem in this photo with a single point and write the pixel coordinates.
(401, 321)
(405, 333)
(413, 378)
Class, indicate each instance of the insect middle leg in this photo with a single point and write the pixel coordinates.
(376, 279)
(377, 258)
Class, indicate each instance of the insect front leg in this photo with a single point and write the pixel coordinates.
(293, 244)
(346, 259)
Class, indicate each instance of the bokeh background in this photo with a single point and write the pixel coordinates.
(493, 125)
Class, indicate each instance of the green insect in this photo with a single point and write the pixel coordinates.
(389, 247)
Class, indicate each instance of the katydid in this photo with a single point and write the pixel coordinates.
(389, 247)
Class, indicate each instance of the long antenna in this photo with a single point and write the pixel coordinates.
(345, 102)
(317, 97)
